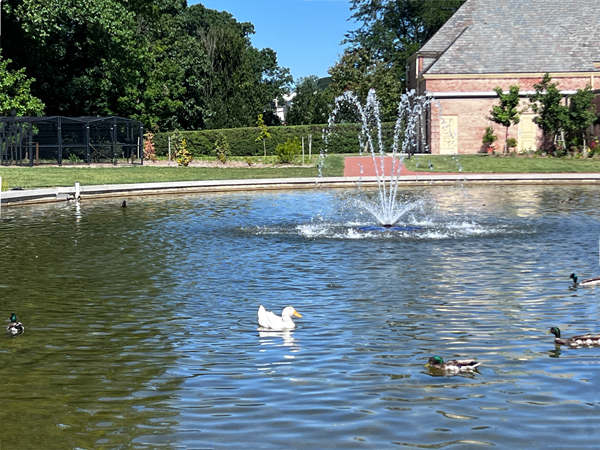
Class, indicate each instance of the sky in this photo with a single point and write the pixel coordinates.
(305, 34)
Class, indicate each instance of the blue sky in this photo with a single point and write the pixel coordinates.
(305, 34)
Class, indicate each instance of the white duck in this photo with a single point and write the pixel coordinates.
(271, 321)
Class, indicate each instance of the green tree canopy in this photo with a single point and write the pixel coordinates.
(357, 71)
(15, 92)
(160, 61)
(582, 113)
(560, 120)
(506, 113)
(391, 31)
(311, 105)
(551, 113)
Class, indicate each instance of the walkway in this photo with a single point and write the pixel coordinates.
(356, 166)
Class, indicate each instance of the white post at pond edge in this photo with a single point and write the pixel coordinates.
(77, 191)
(169, 150)
(302, 150)
(0, 189)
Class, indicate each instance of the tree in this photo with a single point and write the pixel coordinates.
(15, 92)
(358, 71)
(240, 81)
(392, 30)
(582, 113)
(85, 55)
(506, 112)
(159, 61)
(311, 103)
(552, 115)
(264, 132)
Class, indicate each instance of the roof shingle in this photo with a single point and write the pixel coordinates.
(518, 36)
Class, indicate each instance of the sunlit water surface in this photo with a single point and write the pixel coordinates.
(141, 321)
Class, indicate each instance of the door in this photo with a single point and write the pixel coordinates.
(449, 135)
(527, 133)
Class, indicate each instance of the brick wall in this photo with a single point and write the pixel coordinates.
(525, 84)
(471, 113)
(471, 123)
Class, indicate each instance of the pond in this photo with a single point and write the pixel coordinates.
(140, 322)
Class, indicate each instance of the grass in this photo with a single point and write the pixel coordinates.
(52, 176)
(501, 164)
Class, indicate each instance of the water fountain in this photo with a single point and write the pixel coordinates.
(408, 137)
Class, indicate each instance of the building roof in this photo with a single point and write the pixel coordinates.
(517, 36)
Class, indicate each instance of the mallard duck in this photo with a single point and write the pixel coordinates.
(14, 327)
(575, 341)
(453, 365)
(271, 321)
(588, 282)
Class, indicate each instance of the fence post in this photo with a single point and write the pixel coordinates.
(302, 150)
(0, 195)
(169, 150)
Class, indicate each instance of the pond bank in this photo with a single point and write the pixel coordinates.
(18, 197)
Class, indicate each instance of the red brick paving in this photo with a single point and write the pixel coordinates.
(353, 164)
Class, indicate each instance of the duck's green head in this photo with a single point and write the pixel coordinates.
(435, 360)
(555, 331)
(13, 317)
(574, 277)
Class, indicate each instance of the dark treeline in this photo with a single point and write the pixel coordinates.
(175, 66)
(170, 65)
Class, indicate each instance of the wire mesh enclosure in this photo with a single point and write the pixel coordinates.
(70, 140)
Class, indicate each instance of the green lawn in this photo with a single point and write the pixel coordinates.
(51, 176)
(501, 164)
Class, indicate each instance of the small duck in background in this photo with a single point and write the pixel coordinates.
(453, 365)
(587, 282)
(124, 204)
(575, 341)
(15, 327)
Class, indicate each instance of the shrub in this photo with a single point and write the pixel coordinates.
(222, 150)
(242, 141)
(149, 150)
(183, 156)
(488, 137)
(511, 142)
(288, 151)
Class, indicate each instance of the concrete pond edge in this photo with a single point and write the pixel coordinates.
(48, 195)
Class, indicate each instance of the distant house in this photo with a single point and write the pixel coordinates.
(499, 43)
(282, 108)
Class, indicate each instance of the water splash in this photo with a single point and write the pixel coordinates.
(409, 137)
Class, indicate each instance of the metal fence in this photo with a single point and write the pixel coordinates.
(70, 140)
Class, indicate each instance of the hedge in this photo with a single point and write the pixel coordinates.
(242, 141)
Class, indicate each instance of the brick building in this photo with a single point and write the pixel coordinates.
(499, 43)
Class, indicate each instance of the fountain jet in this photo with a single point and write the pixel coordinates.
(409, 137)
